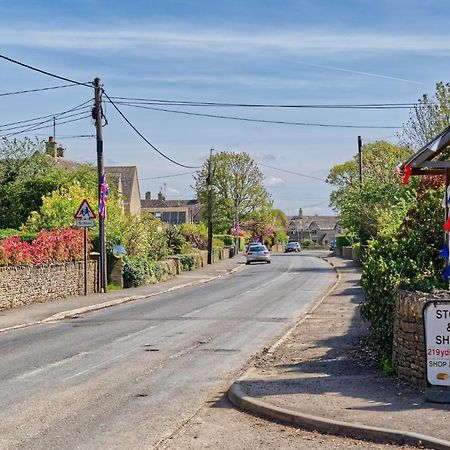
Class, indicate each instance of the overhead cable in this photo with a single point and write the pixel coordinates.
(247, 119)
(45, 72)
(144, 138)
(37, 90)
(36, 127)
(268, 105)
(293, 173)
(75, 108)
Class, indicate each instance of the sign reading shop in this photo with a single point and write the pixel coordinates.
(436, 315)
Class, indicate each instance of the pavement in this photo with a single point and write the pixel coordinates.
(318, 376)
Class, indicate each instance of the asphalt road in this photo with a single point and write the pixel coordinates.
(132, 375)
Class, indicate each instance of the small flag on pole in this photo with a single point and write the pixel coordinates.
(407, 174)
(104, 192)
(446, 273)
(447, 225)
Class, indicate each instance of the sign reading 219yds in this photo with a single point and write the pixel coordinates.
(437, 342)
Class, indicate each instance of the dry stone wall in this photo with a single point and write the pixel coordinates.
(409, 340)
(20, 286)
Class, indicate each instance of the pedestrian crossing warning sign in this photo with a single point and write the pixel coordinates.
(85, 212)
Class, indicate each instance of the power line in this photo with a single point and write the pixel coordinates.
(65, 116)
(70, 136)
(293, 173)
(270, 105)
(37, 90)
(144, 138)
(246, 119)
(75, 108)
(44, 127)
(45, 72)
(169, 176)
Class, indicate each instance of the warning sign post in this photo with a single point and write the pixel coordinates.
(85, 218)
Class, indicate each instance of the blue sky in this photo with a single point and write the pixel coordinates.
(283, 52)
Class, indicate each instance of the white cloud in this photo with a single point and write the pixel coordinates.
(311, 42)
(273, 181)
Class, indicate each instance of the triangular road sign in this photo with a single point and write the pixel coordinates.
(85, 211)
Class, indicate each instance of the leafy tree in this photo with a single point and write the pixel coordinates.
(427, 118)
(359, 203)
(237, 184)
(26, 175)
(59, 207)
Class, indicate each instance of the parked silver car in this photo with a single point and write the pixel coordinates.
(292, 247)
(258, 253)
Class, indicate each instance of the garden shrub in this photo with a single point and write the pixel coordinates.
(140, 270)
(195, 234)
(135, 270)
(27, 236)
(217, 242)
(227, 239)
(405, 254)
(306, 243)
(187, 262)
(61, 245)
(343, 241)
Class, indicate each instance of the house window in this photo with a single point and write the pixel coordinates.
(157, 215)
(181, 217)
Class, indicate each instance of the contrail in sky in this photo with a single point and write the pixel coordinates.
(369, 74)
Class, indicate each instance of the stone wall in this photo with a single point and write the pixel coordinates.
(20, 286)
(408, 355)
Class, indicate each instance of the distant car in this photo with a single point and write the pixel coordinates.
(292, 247)
(257, 253)
(332, 245)
(252, 244)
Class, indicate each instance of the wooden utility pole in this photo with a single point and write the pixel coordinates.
(360, 168)
(97, 114)
(209, 183)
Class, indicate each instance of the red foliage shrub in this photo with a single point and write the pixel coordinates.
(65, 244)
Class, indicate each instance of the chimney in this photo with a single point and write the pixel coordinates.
(51, 147)
(148, 195)
(300, 213)
(160, 196)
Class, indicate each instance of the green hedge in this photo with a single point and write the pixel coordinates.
(27, 236)
(138, 270)
(227, 239)
(343, 241)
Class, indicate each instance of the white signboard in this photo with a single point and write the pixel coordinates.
(436, 316)
(85, 215)
(85, 222)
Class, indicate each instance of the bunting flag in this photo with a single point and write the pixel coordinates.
(444, 252)
(447, 225)
(446, 272)
(104, 192)
(406, 174)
